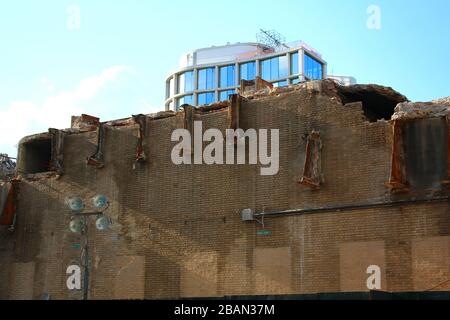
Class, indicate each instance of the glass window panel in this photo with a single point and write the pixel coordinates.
(231, 76)
(186, 82)
(280, 84)
(294, 63)
(296, 80)
(189, 99)
(248, 71)
(313, 68)
(210, 78)
(274, 68)
(206, 78)
(225, 95)
(202, 79)
(283, 67)
(227, 76)
(189, 81)
(171, 88)
(265, 69)
(206, 98)
(223, 77)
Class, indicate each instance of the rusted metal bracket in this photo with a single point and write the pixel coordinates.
(141, 120)
(312, 170)
(398, 181)
(8, 202)
(97, 159)
(188, 121)
(234, 110)
(189, 114)
(57, 156)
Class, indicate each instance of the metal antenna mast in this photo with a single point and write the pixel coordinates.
(271, 38)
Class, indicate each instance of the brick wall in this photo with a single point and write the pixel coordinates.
(177, 231)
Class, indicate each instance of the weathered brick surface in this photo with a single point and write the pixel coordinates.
(179, 229)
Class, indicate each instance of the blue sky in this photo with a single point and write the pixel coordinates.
(115, 63)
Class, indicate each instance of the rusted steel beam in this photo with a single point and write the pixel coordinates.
(57, 150)
(97, 159)
(8, 209)
(189, 114)
(234, 112)
(398, 179)
(312, 170)
(141, 120)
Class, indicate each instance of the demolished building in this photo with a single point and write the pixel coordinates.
(363, 182)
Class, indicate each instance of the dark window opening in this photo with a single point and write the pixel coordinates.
(37, 155)
(378, 102)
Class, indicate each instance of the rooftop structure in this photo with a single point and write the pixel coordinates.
(212, 74)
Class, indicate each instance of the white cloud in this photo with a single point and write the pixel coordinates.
(21, 118)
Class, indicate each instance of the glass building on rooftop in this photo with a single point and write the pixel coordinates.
(211, 74)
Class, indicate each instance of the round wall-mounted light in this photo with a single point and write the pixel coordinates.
(76, 226)
(100, 201)
(103, 222)
(75, 204)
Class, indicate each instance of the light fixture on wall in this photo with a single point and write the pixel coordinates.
(79, 224)
(75, 204)
(79, 221)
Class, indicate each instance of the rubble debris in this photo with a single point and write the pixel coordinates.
(7, 167)
(312, 171)
(120, 123)
(162, 115)
(250, 87)
(444, 101)
(213, 106)
(85, 122)
(97, 159)
(410, 110)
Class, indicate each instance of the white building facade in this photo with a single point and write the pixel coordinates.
(211, 74)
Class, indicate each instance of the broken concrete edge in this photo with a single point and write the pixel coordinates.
(325, 87)
(328, 87)
(420, 110)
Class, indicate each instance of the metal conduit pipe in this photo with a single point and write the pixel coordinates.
(350, 207)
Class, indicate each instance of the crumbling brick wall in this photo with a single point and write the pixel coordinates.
(177, 231)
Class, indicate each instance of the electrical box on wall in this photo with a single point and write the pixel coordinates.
(247, 215)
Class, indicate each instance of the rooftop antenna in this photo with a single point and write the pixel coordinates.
(271, 38)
